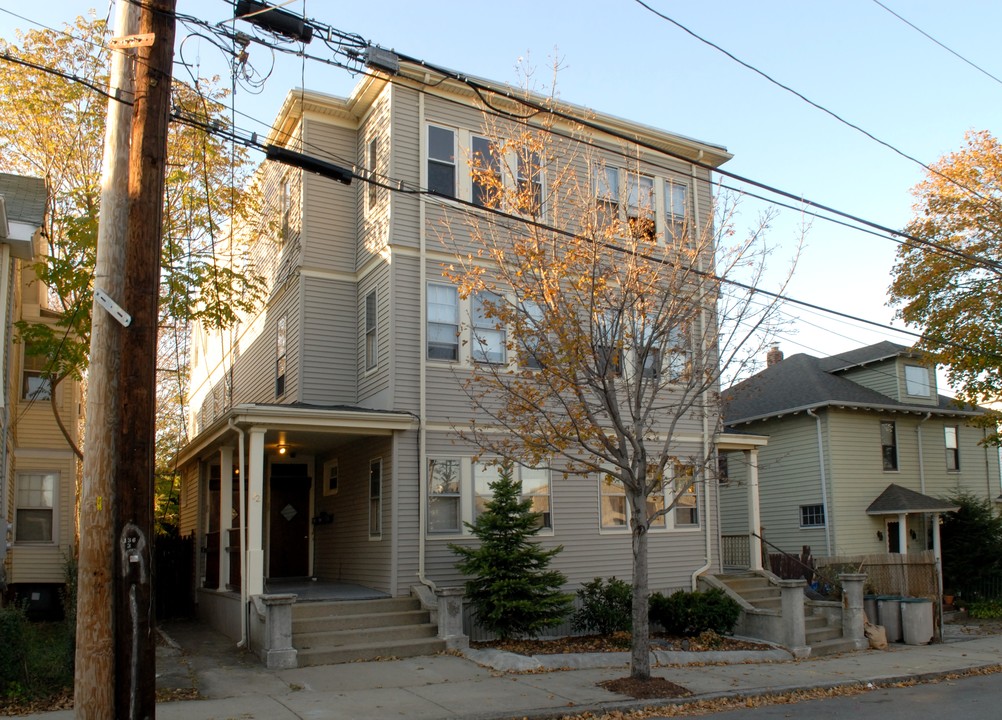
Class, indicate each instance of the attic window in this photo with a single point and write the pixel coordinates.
(917, 380)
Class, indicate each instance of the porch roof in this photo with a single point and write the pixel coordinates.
(303, 419)
(898, 500)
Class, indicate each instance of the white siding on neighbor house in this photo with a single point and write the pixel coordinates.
(789, 476)
(329, 342)
(329, 206)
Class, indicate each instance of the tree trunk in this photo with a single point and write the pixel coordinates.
(640, 650)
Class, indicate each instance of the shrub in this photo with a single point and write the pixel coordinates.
(14, 639)
(985, 609)
(606, 607)
(689, 614)
(512, 592)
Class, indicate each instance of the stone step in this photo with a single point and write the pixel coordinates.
(369, 636)
(328, 623)
(815, 622)
(820, 635)
(328, 608)
(370, 651)
(745, 584)
(831, 647)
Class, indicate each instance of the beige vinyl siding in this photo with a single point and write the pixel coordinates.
(373, 223)
(188, 500)
(406, 297)
(405, 165)
(329, 342)
(405, 495)
(329, 206)
(931, 398)
(344, 549)
(374, 384)
(881, 377)
(45, 562)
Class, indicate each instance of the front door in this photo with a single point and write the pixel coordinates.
(289, 544)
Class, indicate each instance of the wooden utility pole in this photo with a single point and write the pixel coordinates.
(94, 681)
(135, 694)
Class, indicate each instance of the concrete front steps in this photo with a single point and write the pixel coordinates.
(754, 589)
(327, 633)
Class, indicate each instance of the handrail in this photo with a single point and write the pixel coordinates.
(797, 560)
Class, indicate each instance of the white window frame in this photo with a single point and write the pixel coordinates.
(812, 511)
(330, 481)
(674, 223)
(952, 447)
(894, 436)
(484, 473)
(441, 344)
(687, 499)
(453, 496)
(376, 499)
(22, 503)
(536, 177)
(34, 387)
(491, 164)
(370, 310)
(616, 187)
(482, 328)
(281, 354)
(441, 161)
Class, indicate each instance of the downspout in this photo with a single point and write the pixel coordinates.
(243, 532)
(918, 437)
(422, 363)
(707, 444)
(824, 484)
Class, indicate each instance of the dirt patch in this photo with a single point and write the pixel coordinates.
(649, 689)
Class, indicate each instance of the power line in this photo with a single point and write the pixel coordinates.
(945, 47)
(814, 104)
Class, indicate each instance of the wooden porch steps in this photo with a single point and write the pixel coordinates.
(331, 632)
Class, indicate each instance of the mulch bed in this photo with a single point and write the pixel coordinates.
(649, 689)
(618, 642)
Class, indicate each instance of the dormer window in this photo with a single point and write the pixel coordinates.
(917, 381)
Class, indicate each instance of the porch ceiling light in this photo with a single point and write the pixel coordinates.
(282, 449)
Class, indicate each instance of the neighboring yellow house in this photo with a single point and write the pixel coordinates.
(38, 468)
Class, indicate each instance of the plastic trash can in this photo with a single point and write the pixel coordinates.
(916, 621)
(889, 615)
(870, 608)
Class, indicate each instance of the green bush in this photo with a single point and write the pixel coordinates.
(689, 614)
(14, 640)
(985, 609)
(606, 607)
(34, 656)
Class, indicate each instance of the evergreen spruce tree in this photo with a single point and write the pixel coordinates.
(512, 591)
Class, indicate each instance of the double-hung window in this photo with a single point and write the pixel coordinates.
(640, 207)
(607, 195)
(489, 341)
(686, 497)
(444, 485)
(678, 364)
(486, 172)
(371, 347)
(535, 484)
(442, 160)
(529, 182)
(608, 340)
(533, 319)
(889, 444)
(443, 322)
(612, 502)
(676, 199)
(36, 494)
(951, 436)
(34, 384)
(281, 347)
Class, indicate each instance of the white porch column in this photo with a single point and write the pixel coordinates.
(255, 513)
(903, 533)
(754, 512)
(937, 552)
(225, 513)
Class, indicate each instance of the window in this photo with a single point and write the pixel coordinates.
(486, 172)
(444, 478)
(280, 360)
(375, 497)
(530, 340)
(723, 471)
(640, 207)
(678, 365)
(35, 502)
(676, 198)
(889, 445)
(951, 436)
(687, 500)
(34, 384)
(612, 502)
(370, 164)
(607, 195)
(812, 516)
(608, 344)
(443, 322)
(917, 381)
(530, 182)
(442, 161)
(488, 337)
(330, 477)
(371, 349)
(535, 488)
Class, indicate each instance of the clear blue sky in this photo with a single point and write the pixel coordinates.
(851, 56)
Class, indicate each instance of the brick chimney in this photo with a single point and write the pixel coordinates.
(774, 355)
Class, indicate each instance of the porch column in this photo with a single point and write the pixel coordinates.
(903, 533)
(225, 513)
(937, 553)
(255, 513)
(754, 513)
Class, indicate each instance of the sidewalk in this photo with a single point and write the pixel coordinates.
(234, 685)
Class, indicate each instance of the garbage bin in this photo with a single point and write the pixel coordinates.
(889, 615)
(916, 621)
(870, 608)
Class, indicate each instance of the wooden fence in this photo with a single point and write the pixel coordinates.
(911, 575)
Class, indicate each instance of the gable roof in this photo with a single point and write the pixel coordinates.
(803, 382)
(897, 500)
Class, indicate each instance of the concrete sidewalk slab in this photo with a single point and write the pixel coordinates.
(408, 672)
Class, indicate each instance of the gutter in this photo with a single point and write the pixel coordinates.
(846, 405)
(824, 484)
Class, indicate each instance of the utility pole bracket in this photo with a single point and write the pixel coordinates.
(112, 307)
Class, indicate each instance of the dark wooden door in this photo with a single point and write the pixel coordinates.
(289, 512)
